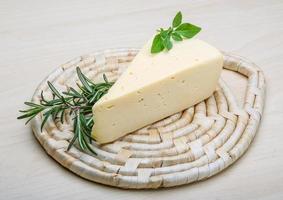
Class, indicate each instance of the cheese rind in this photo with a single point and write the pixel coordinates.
(155, 86)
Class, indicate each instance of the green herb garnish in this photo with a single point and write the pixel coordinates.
(178, 32)
(78, 104)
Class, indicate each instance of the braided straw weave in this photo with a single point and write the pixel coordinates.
(188, 146)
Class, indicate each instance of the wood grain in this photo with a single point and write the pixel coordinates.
(37, 36)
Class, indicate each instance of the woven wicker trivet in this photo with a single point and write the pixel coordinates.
(188, 146)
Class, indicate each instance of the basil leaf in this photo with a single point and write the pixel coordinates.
(163, 34)
(188, 30)
(177, 32)
(167, 43)
(157, 44)
(177, 19)
(177, 36)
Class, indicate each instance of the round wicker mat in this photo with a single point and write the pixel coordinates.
(188, 146)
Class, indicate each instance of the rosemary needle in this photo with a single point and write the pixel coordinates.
(77, 103)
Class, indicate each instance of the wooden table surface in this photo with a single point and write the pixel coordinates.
(37, 36)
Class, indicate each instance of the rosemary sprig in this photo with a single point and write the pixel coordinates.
(75, 103)
(178, 31)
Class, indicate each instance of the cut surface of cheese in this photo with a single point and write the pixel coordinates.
(155, 86)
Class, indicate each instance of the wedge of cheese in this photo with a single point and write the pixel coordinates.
(155, 86)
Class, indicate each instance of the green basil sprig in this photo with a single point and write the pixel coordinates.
(178, 31)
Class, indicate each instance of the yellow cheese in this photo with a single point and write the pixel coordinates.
(155, 86)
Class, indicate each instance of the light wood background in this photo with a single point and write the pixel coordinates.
(37, 36)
